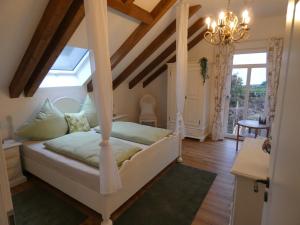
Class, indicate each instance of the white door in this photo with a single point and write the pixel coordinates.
(6, 206)
(283, 206)
(193, 100)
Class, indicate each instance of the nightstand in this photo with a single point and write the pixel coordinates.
(13, 163)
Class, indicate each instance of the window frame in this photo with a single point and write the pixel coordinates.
(249, 68)
(70, 72)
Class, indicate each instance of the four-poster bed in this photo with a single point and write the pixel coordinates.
(107, 188)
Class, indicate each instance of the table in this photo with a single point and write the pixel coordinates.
(250, 124)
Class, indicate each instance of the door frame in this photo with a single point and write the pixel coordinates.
(249, 68)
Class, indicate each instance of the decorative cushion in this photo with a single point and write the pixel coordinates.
(90, 112)
(77, 122)
(49, 123)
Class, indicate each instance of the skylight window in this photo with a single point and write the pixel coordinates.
(69, 58)
(71, 68)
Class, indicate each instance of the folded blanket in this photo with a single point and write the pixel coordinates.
(137, 133)
(84, 147)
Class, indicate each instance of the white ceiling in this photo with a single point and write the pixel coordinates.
(18, 20)
(258, 8)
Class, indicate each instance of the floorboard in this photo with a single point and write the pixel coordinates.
(216, 157)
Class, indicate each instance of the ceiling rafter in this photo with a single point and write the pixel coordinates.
(132, 10)
(150, 49)
(53, 32)
(165, 54)
(49, 23)
(164, 67)
(159, 10)
(65, 31)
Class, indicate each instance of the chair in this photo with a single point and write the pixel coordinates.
(147, 115)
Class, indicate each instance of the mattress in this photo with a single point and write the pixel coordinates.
(73, 169)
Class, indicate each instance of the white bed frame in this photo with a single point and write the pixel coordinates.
(135, 173)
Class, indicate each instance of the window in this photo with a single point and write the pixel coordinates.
(248, 88)
(71, 68)
(69, 58)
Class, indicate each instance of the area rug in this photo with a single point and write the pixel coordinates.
(37, 206)
(173, 199)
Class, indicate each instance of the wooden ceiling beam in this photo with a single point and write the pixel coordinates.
(159, 10)
(64, 32)
(164, 67)
(49, 23)
(165, 54)
(131, 10)
(151, 48)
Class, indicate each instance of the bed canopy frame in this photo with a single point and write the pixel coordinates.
(118, 185)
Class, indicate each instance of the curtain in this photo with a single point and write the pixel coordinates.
(181, 63)
(223, 65)
(273, 72)
(96, 17)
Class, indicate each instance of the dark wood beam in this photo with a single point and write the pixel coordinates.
(132, 10)
(61, 37)
(165, 54)
(164, 67)
(49, 23)
(128, 1)
(150, 49)
(159, 10)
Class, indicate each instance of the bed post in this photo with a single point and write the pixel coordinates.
(182, 17)
(180, 159)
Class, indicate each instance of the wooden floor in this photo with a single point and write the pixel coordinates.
(216, 157)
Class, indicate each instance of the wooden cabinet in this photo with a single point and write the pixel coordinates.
(250, 165)
(13, 163)
(196, 112)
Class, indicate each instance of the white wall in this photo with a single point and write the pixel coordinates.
(261, 30)
(14, 112)
(127, 100)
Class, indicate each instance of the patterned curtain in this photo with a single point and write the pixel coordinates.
(223, 65)
(273, 71)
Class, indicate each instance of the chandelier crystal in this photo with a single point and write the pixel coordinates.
(227, 29)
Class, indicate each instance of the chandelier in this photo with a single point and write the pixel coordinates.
(227, 29)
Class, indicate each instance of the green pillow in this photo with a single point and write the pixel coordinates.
(90, 111)
(77, 122)
(49, 123)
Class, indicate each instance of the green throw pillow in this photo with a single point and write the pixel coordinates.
(49, 123)
(77, 122)
(90, 112)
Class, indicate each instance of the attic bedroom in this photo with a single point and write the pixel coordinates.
(149, 112)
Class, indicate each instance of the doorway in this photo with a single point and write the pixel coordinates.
(248, 86)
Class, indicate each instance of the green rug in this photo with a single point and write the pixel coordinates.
(37, 206)
(173, 199)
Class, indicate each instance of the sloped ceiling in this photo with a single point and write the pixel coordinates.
(19, 19)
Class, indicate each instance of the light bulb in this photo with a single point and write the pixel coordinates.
(221, 15)
(214, 25)
(208, 21)
(245, 16)
(245, 13)
(247, 20)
